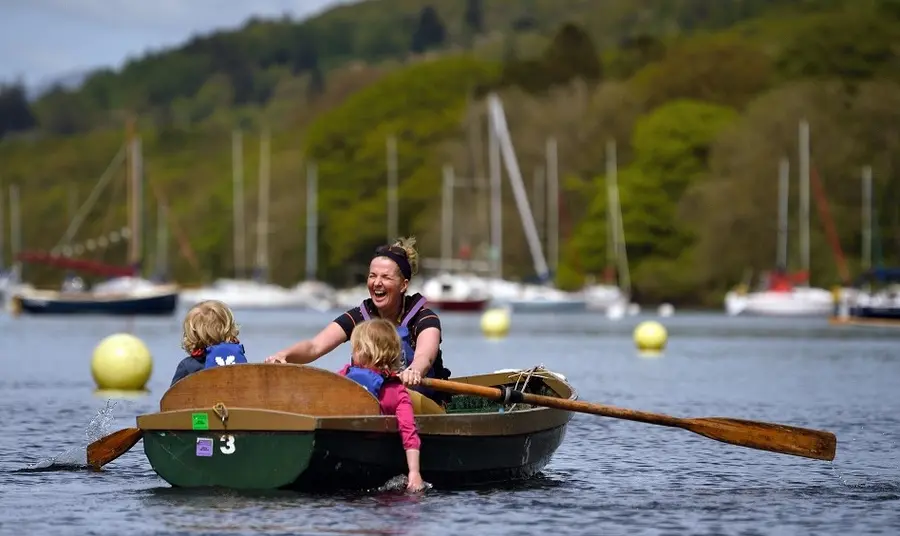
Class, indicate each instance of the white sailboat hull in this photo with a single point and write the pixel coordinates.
(801, 301)
(250, 295)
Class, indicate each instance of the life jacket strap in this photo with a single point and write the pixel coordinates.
(412, 312)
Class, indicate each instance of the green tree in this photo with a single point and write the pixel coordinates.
(422, 106)
(64, 112)
(851, 46)
(719, 69)
(671, 149)
(633, 54)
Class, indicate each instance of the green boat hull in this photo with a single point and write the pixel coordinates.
(240, 460)
(262, 427)
(336, 459)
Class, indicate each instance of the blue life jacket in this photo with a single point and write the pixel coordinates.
(402, 330)
(225, 353)
(368, 378)
(408, 352)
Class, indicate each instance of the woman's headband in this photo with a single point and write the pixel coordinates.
(398, 255)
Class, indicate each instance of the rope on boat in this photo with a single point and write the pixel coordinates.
(538, 371)
(221, 411)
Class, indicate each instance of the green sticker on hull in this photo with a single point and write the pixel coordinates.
(199, 421)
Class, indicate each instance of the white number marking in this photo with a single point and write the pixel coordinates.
(228, 447)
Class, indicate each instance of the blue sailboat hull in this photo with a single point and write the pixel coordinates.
(883, 313)
(163, 304)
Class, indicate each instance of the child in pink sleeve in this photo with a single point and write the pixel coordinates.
(376, 359)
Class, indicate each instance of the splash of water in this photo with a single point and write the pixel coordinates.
(76, 457)
(872, 477)
(398, 483)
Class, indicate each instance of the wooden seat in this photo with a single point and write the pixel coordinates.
(422, 405)
(291, 388)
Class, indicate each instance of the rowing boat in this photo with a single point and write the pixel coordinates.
(260, 426)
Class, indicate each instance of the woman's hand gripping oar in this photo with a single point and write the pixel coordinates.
(816, 444)
(107, 449)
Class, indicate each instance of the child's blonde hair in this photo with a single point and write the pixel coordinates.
(376, 344)
(207, 323)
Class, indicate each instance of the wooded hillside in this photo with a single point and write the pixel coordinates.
(702, 100)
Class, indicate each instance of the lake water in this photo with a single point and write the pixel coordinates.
(609, 476)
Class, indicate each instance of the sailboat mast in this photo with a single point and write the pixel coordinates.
(496, 200)
(237, 174)
(804, 196)
(867, 217)
(262, 223)
(552, 205)
(515, 176)
(15, 229)
(612, 227)
(621, 253)
(447, 219)
(392, 225)
(783, 184)
(2, 233)
(312, 221)
(135, 199)
(162, 240)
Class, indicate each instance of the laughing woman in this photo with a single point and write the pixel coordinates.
(390, 271)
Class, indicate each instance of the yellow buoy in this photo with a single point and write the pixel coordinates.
(495, 322)
(121, 362)
(650, 337)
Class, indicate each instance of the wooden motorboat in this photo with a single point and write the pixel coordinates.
(260, 426)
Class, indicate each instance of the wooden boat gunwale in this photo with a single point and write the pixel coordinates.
(517, 422)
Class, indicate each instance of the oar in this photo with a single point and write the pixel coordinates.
(816, 444)
(107, 449)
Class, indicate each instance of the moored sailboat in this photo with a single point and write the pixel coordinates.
(127, 293)
(782, 293)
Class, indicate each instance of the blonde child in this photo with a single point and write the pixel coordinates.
(210, 337)
(376, 359)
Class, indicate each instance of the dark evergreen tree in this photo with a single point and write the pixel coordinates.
(429, 31)
(316, 82)
(474, 16)
(15, 112)
(571, 55)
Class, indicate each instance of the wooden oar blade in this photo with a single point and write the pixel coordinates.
(107, 449)
(816, 444)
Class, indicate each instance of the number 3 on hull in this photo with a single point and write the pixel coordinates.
(227, 446)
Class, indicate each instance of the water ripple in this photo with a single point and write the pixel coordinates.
(609, 477)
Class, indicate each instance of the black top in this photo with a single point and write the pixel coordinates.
(423, 319)
(188, 366)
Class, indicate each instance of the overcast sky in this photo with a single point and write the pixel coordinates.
(43, 39)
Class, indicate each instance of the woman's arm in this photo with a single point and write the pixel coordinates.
(428, 342)
(307, 351)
